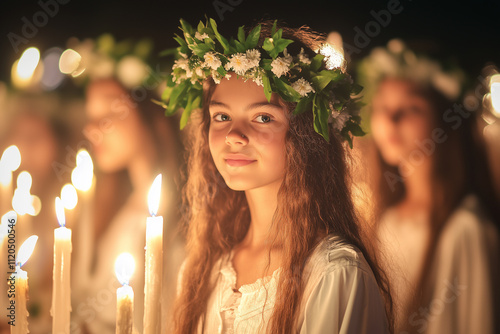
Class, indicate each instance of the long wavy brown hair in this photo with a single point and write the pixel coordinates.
(314, 200)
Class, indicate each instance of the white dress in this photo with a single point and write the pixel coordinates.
(341, 296)
(457, 294)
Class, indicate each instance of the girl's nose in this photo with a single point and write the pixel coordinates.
(235, 137)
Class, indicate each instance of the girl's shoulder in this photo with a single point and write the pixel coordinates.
(334, 253)
(468, 224)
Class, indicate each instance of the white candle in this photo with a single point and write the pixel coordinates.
(154, 262)
(124, 268)
(61, 291)
(19, 293)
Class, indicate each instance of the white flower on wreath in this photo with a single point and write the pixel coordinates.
(304, 58)
(302, 86)
(281, 65)
(184, 65)
(200, 37)
(253, 57)
(258, 81)
(211, 61)
(339, 120)
(239, 63)
(181, 63)
(216, 76)
(200, 73)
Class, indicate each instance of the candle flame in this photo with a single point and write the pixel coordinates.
(22, 201)
(495, 94)
(7, 218)
(24, 181)
(124, 268)
(83, 173)
(11, 158)
(69, 62)
(5, 174)
(28, 63)
(154, 196)
(61, 218)
(26, 250)
(69, 196)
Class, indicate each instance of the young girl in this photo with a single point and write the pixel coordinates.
(131, 143)
(273, 242)
(434, 195)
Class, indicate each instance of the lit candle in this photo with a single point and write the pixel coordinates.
(18, 289)
(9, 162)
(24, 70)
(124, 268)
(154, 262)
(61, 293)
(69, 198)
(8, 253)
(83, 180)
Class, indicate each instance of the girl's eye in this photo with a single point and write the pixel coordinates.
(412, 109)
(263, 119)
(221, 118)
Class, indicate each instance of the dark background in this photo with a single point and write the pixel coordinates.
(467, 31)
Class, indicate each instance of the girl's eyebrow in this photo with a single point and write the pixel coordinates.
(252, 106)
(218, 104)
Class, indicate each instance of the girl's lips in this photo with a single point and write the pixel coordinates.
(238, 162)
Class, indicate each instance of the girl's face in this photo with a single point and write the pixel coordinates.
(114, 126)
(247, 134)
(402, 119)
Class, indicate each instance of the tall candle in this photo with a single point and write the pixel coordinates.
(61, 292)
(154, 262)
(18, 289)
(124, 268)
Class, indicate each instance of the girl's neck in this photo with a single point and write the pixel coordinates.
(262, 203)
(140, 171)
(418, 186)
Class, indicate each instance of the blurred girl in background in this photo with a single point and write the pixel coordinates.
(434, 200)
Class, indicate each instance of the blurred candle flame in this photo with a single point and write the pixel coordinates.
(22, 201)
(495, 94)
(124, 268)
(4, 223)
(24, 70)
(154, 196)
(69, 196)
(83, 174)
(61, 218)
(11, 158)
(26, 250)
(28, 62)
(70, 63)
(10, 162)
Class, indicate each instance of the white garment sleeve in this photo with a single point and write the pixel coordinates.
(345, 300)
(462, 300)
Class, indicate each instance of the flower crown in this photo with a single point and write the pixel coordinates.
(125, 61)
(397, 60)
(320, 83)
